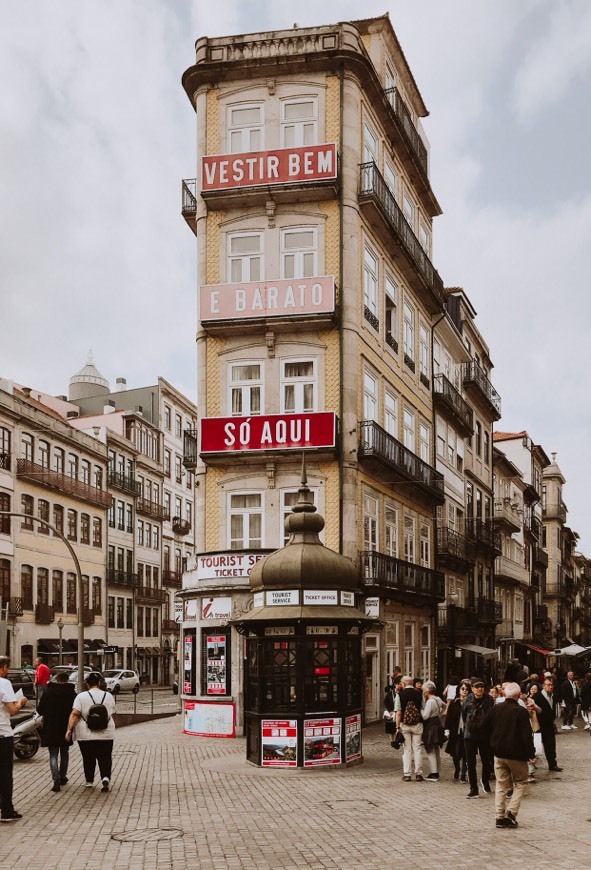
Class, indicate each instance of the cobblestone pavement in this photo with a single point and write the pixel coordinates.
(188, 802)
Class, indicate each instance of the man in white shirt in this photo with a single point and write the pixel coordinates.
(9, 705)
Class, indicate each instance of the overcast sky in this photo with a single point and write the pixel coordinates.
(96, 134)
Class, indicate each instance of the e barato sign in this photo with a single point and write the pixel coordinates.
(281, 298)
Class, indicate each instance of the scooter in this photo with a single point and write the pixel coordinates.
(27, 734)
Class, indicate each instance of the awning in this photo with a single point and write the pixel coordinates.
(538, 649)
(483, 651)
(573, 650)
(97, 644)
(51, 646)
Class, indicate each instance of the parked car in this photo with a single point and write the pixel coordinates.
(74, 677)
(122, 681)
(60, 669)
(23, 679)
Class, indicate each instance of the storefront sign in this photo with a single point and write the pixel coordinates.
(352, 737)
(321, 597)
(214, 566)
(279, 742)
(347, 599)
(282, 598)
(258, 599)
(188, 647)
(372, 607)
(216, 608)
(190, 610)
(280, 166)
(178, 611)
(322, 742)
(322, 629)
(279, 630)
(210, 719)
(282, 298)
(215, 667)
(273, 432)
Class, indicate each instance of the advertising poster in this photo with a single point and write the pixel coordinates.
(279, 742)
(210, 719)
(188, 645)
(322, 742)
(216, 608)
(215, 667)
(352, 737)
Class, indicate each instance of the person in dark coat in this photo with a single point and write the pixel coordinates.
(454, 729)
(545, 701)
(55, 706)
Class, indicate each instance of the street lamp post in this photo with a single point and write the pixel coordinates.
(60, 628)
(452, 602)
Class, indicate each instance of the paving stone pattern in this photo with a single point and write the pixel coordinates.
(187, 802)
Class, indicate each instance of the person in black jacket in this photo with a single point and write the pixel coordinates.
(55, 706)
(511, 739)
(586, 701)
(569, 697)
(545, 701)
(454, 729)
(476, 705)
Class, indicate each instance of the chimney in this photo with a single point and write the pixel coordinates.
(26, 392)
(121, 384)
(72, 415)
(109, 407)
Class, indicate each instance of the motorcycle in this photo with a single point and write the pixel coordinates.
(26, 730)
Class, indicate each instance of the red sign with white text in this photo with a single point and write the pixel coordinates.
(280, 166)
(267, 299)
(274, 432)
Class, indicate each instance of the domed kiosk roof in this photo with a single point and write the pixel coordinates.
(89, 374)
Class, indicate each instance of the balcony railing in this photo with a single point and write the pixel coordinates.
(453, 548)
(373, 189)
(451, 618)
(189, 206)
(150, 595)
(395, 575)
(124, 482)
(151, 509)
(507, 515)
(405, 121)
(121, 578)
(509, 570)
(87, 616)
(533, 526)
(474, 375)
(483, 534)
(15, 605)
(489, 610)
(172, 578)
(190, 447)
(180, 526)
(44, 614)
(377, 444)
(5, 461)
(555, 587)
(62, 483)
(555, 510)
(540, 556)
(446, 396)
(371, 318)
(169, 626)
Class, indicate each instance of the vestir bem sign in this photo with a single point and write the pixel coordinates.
(273, 432)
(269, 299)
(280, 166)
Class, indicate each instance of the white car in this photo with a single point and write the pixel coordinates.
(122, 681)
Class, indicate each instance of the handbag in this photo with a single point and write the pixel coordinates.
(398, 740)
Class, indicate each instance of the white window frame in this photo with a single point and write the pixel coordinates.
(370, 396)
(425, 544)
(251, 135)
(250, 264)
(370, 279)
(424, 441)
(305, 259)
(408, 313)
(391, 291)
(424, 237)
(391, 527)
(370, 145)
(408, 210)
(371, 538)
(299, 384)
(392, 179)
(245, 387)
(409, 429)
(391, 413)
(305, 129)
(424, 367)
(409, 538)
(409, 648)
(247, 513)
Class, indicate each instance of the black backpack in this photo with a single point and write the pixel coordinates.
(97, 717)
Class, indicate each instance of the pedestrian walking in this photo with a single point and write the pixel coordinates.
(9, 705)
(545, 701)
(41, 677)
(454, 730)
(474, 709)
(407, 707)
(511, 738)
(433, 738)
(586, 701)
(55, 706)
(569, 698)
(96, 745)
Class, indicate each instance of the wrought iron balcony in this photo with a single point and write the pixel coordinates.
(540, 556)
(124, 482)
(411, 134)
(388, 574)
(483, 535)
(148, 508)
(172, 578)
(376, 445)
(121, 578)
(408, 253)
(447, 398)
(453, 550)
(540, 611)
(15, 605)
(532, 526)
(62, 483)
(44, 614)
(371, 318)
(5, 461)
(569, 587)
(87, 616)
(489, 611)
(169, 626)
(150, 595)
(555, 511)
(506, 515)
(190, 447)
(451, 618)
(555, 587)
(180, 526)
(189, 207)
(474, 376)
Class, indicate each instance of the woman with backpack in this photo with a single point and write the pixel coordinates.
(91, 724)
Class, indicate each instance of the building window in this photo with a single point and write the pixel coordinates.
(486, 446)
(391, 413)
(43, 453)
(84, 529)
(72, 525)
(370, 283)
(27, 587)
(409, 538)
(246, 521)
(299, 122)
(58, 591)
(27, 446)
(167, 458)
(408, 429)
(245, 128)
(43, 514)
(424, 355)
(246, 388)
(167, 416)
(409, 334)
(178, 469)
(4, 506)
(478, 434)
(140, 622)
(140, 533)
(27, 507)
(85, 471)
(97, 532)
(59, 460)
(120, 614)
(425, 543)
(245, 257)
(298, 253)
(370, 145)
(424, 238)
(73, 466)
(4, 448)
(42, 586)
(391, 314)
(298, 386)
(129, 612)
(167, 504)
(370, 397)
(178, 425)
(391, 541)
(111, 514)
(408, 210)
(409, 647)
(111, 611)
(71, 591)
(425, 442)
(391, 179)
(370, 523)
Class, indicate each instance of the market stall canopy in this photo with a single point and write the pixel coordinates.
(483, 651)
(573, 650)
